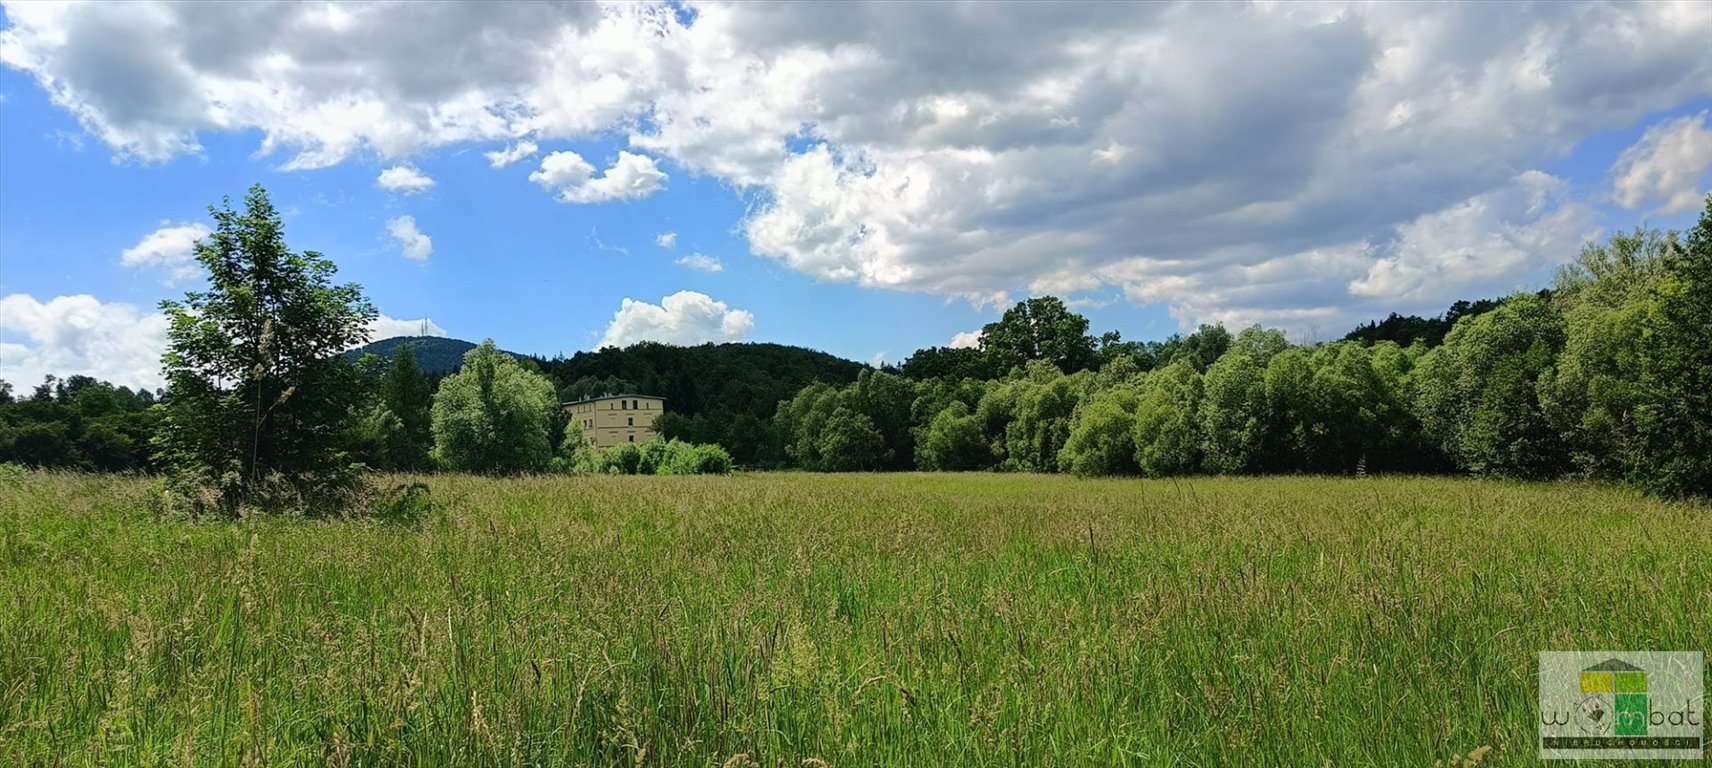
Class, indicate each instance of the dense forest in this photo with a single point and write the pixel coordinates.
(1606, 374)
(435, 355)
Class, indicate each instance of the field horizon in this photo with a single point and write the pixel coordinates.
(792, 619)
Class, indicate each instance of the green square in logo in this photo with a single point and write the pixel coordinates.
(1631, 714)
(1631, 682)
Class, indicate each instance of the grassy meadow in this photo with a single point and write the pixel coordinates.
(810, 620)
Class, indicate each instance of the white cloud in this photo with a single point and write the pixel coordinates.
(961, 153)
(80, 334)
(666, 239)
(116, 342)
(504, 157)
(404, 179)
(171, 247)
(1668, 162)
(383, 327)
(966, 340)
(416, 246)
(1489, 244)
(631, 177)
(683, 318)
(878, 360)
(701, 263)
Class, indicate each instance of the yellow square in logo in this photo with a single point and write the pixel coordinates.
(1597, 682)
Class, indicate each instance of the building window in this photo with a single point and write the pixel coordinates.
(632, 438)
(630, 422)
(624, 405)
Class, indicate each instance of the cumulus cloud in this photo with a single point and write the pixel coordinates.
(938, 148)
(1668, 162)
(701, 263)
(504, 157)
(631, 177)
(80, 334)
(416, 246)
(683, 318)
(384, 327)
(117, 342)
(1489, 244)
(666, 239)
(170, 248)
(966, 340)
(404, 179)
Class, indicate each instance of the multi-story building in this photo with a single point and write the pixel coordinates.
(609, 420)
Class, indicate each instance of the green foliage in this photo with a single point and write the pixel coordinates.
(494, 415)
(1404, 330)
(1293, 422)
(593, 386)
(949, 363)
(263, 405)
(1102, 434)
(718, 393)
(1113, 349)
(1673, 417)
(1044, 402)
(1168, 436)
(689, 459)
(623, 459)
(848, 442)
(408, 395)
(864, 426)
(1478, 393)
(1259, 344)
(885, 399)
(657, 457)
(1199, 349)
(435, 355)
(78, 423)
(954, 441)
(1592, 393)
(1233, 414)
(1039, 329)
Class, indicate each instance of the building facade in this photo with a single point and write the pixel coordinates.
(616, 419)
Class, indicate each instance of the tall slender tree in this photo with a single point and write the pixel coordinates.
(262, 408)
(407, 394)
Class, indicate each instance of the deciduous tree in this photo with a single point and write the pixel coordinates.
(262, 407)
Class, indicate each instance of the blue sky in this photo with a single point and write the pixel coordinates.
(863, 188)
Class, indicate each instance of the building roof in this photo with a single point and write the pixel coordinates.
(1613, 665)
(613, 397)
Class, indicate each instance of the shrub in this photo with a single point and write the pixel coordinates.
(655, 457)
(691, 459)
(621, 460)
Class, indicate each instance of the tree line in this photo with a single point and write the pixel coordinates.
(1604, 375)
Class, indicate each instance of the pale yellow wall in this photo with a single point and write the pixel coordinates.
(611, 421)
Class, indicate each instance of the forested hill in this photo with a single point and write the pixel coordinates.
(734, 379)
(436, 355)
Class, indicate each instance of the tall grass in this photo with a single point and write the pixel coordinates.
(795, 620)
